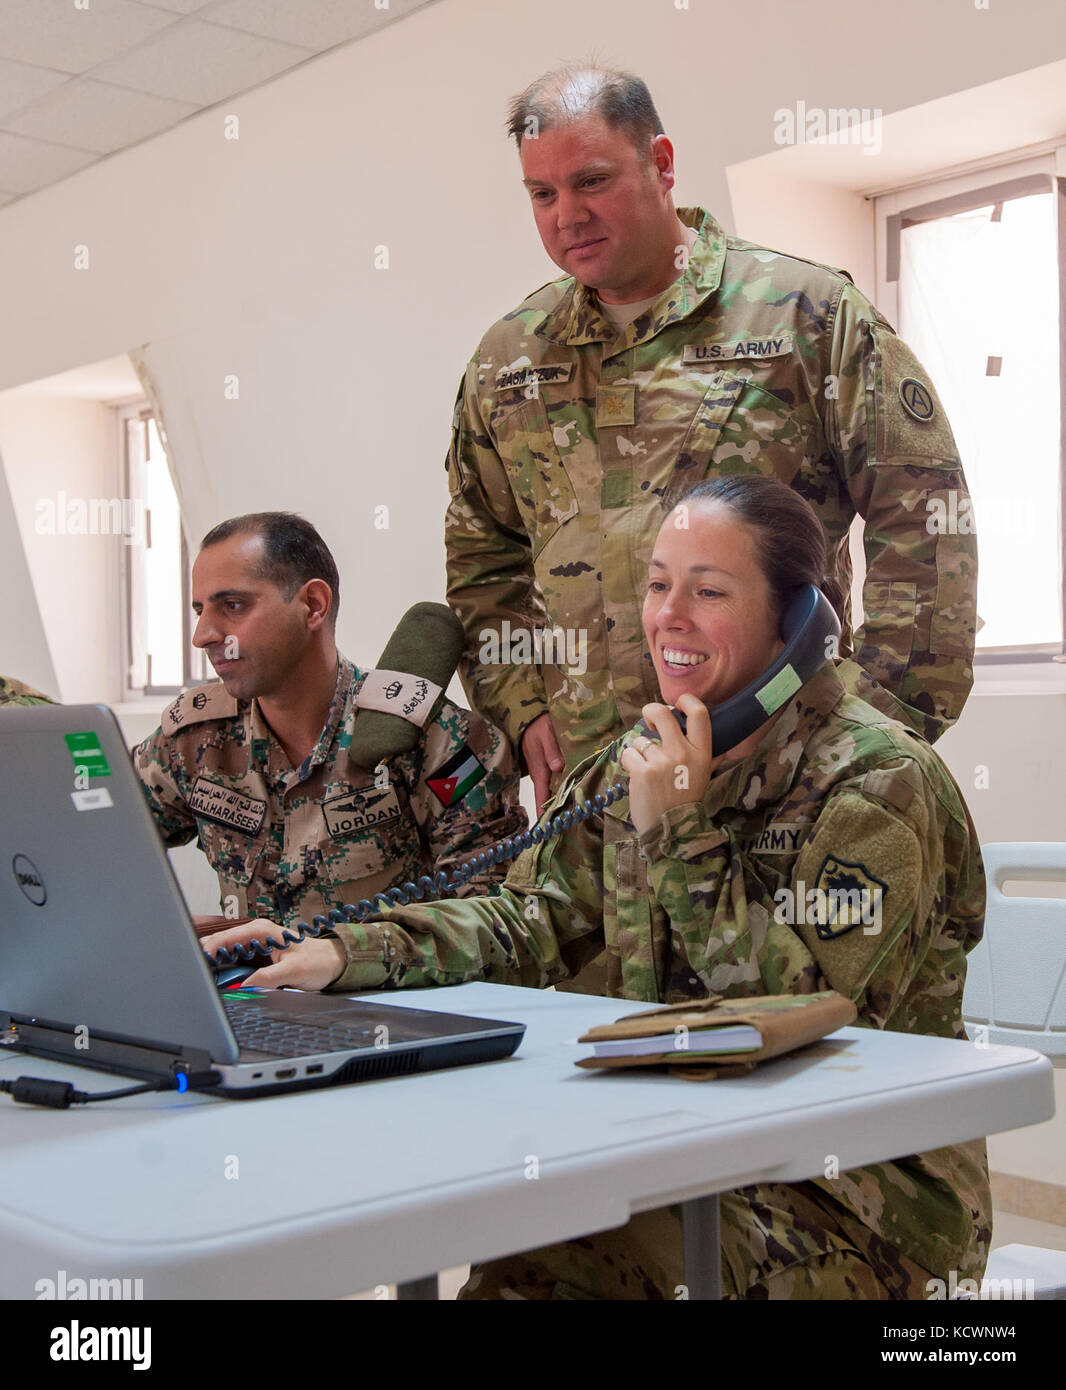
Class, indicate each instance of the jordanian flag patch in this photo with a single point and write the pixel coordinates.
(451, 782)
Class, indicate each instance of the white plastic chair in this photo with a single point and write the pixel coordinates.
(1016, 988)
(1016, 976)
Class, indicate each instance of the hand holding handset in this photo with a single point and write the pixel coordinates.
(809, 629)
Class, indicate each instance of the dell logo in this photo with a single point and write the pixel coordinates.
(29, 880)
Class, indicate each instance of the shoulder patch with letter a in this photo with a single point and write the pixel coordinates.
(354, 811)
(451, 781)
(227, 805)
(852, 895)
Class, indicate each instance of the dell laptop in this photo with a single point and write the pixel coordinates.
(99, 962)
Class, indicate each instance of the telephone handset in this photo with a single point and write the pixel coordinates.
(809, 629)
(807, 626)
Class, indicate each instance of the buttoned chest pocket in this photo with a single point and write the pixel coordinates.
(741, 426)
(355, 869)
(767, 433)
(368, 841)
(536, 448)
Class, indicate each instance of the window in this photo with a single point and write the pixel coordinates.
(972, 269)
(159, 657)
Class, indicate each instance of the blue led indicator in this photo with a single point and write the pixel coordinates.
(183, 1081)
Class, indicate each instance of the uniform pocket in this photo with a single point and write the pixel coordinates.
(233, 856)
(952, 630)
(235, 859)
(535, 469)
(768, 434)
(363, 864)
(890, 611)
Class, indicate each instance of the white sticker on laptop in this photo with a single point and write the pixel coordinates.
(95, 799)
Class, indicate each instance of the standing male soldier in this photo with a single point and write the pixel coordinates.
(668, 353)
(259, 766)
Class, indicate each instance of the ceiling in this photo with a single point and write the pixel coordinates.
(80, 79)
(110, 382)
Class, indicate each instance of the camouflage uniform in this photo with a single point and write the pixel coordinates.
(13, 692)
(570, 438)
(288, 843)
(836, 792)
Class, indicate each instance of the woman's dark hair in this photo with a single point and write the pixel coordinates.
(293, 551)
(789, 540)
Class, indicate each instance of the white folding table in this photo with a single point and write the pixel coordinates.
(322, 1193)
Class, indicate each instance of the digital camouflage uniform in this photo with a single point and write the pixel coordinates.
(571, 438)
(837, 793)
(289, 843)
(13, 692)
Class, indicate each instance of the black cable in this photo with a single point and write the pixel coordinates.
(426, 886)
(38, 1090)
(60, 1095)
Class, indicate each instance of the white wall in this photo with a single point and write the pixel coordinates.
(805, 217)
(255, 256)
(23, 647)
(59, 451)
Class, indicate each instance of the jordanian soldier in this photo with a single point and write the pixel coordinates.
(259, 767)
(667, 353)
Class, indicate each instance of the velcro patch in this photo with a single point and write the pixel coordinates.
(616, 405)
(739, 349)
(227, 806)
(354, 811)
(910, 424)
(510, 378)
(852, 895)
(917, 399)
(451, 781)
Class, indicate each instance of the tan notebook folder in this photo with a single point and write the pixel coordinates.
(784, 1022)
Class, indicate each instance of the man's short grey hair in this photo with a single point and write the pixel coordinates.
(575, 91)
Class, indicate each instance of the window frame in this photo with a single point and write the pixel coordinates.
(142, 410)
(961, 192)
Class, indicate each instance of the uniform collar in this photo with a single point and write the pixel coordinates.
(577, 318)
(765, 776)
(260, 732)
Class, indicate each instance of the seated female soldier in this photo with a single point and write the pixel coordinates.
(688, 883)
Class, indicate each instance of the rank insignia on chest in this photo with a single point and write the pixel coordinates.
(354, 811)
(616, 405)
(451, 782)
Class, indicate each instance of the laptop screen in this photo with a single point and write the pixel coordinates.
(94, 931)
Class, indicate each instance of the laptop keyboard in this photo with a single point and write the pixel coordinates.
(262, 1031)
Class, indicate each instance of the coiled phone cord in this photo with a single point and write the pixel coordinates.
(426, 887)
